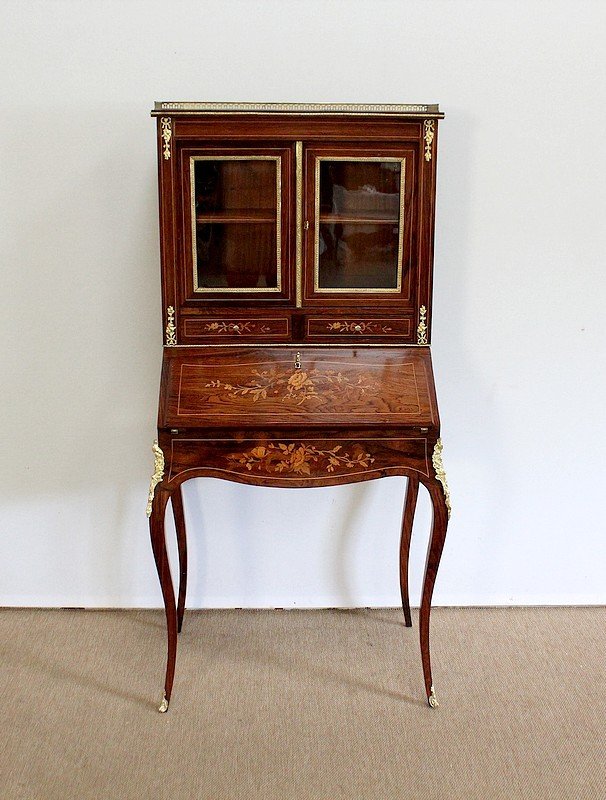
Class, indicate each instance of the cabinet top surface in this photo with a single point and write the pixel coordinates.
(269, 386)
(395, 109)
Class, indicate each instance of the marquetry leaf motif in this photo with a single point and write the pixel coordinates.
(301, 459)
(438, 466)
(298, 386)
(156, 477)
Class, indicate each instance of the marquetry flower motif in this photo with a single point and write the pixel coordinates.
(300, 459)
(298, 386)
(298, 380)
(235, 327)
(358, 327)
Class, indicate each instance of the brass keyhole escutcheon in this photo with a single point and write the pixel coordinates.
(298, 361)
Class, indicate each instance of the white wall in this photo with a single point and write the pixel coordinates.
(519, 345)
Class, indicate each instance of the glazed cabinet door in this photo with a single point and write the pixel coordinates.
(236, 205)
(359, 228)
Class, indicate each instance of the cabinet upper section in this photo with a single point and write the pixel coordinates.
(296, 223)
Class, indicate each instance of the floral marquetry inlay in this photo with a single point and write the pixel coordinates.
(297, 386)
(358, 327)
(236, 327)
(312, 387)
(301, 459)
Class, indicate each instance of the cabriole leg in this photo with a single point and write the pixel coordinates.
(410, 504)
(176, 500)
(436, 545)
(158, 541)
(440, 498)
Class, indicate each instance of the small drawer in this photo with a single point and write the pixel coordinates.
(358, 327)
(236, 328)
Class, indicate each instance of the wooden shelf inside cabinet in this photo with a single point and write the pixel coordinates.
(248, 216)
(362, 220)
(297, 258)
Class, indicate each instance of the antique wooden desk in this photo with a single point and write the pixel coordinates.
(296, 246)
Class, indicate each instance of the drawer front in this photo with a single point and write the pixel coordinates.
(296, 461)
(223, 328)
(353, 327)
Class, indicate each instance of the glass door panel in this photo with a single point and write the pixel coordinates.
(236, 211)
(359, 218)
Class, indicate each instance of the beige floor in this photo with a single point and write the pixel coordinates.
(300, 704)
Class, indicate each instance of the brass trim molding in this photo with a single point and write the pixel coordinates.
(378, 159)
(167, 133)
(299, 223)
(413, 109)
(226, 289)
(422, 326)
(171, 330)
(438, 466)
(428, 134)
(156, 477)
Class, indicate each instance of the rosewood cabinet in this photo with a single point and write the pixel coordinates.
(297, 252)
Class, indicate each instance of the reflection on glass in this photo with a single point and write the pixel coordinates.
(236, 223)
(236, 255)
(359, 225)
(358, 256)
